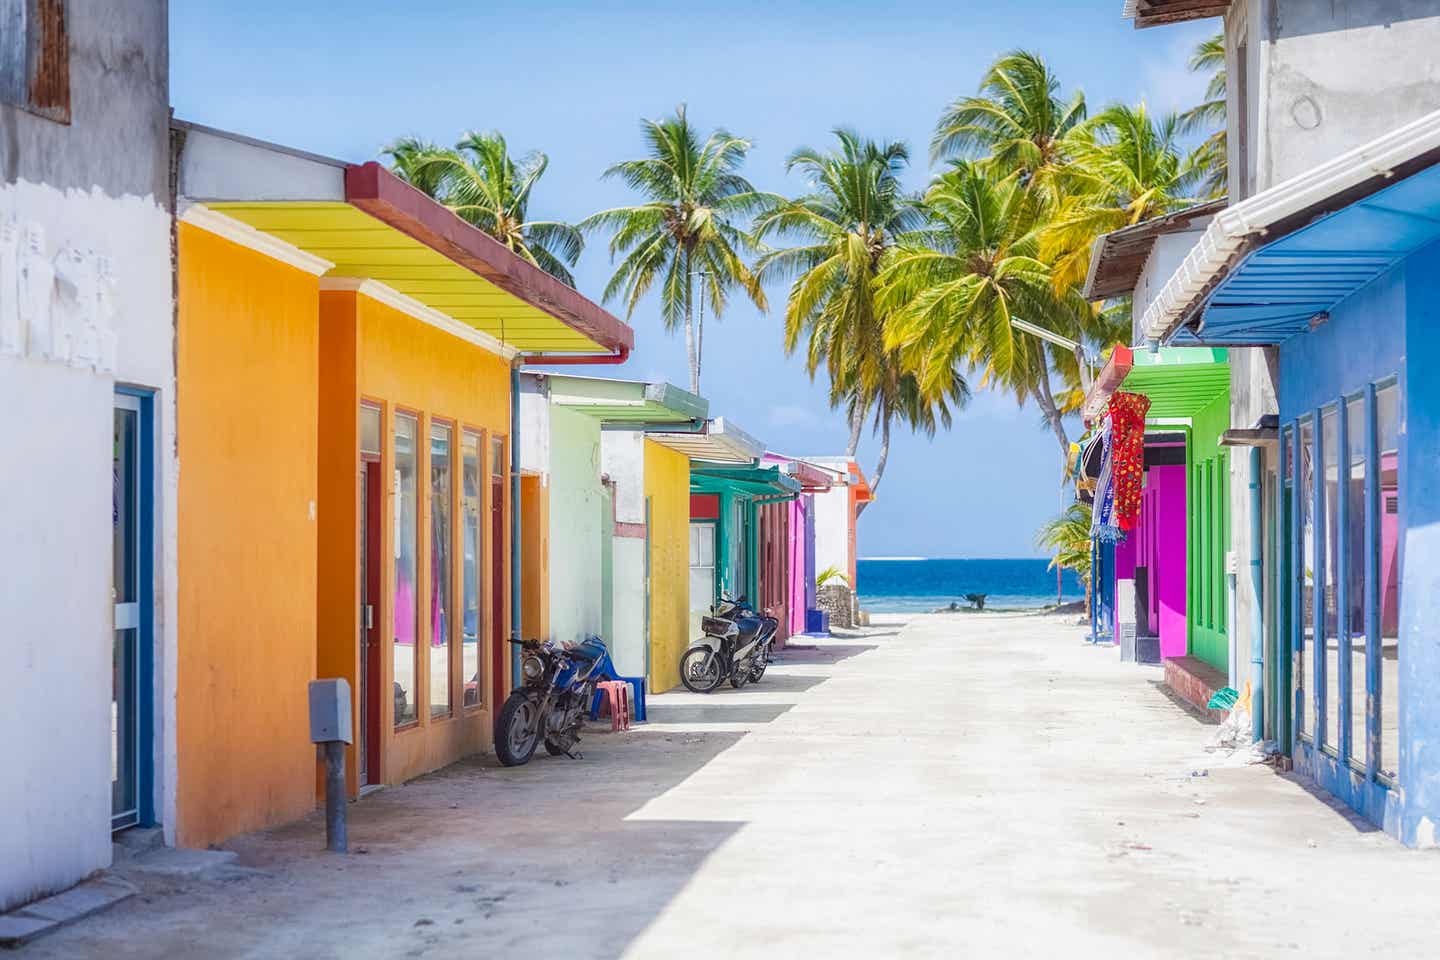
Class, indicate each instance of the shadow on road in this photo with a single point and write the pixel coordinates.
(476, 857)
(719, 713)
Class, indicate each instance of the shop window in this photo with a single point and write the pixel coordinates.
(406, 519)
(1327, 650)
(1352, 624)
(1358, 598)
(442, 558)
(1387, 435)
(35, 57)
(472, 568)
(1305, 579)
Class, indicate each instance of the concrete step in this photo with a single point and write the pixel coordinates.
(136, 842)
(20, 926)
(180, 862)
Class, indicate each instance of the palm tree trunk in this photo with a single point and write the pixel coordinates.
(857, 424)
(1046, 401)
(691, 347)
(879, 464)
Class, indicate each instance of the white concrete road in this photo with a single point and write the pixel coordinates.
(982, 785)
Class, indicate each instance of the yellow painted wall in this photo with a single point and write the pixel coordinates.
(403, 363)
(535, 558)
(247, 370)
(667, 484)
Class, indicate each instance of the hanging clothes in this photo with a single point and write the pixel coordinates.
(1127, 455)
(1102, 525)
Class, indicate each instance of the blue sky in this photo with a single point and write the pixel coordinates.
(574, 79)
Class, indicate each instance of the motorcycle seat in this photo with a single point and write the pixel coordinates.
(587, 651)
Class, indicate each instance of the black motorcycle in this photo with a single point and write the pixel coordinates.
(737, 646)
(550, 706)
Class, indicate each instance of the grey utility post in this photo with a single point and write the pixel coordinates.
(330, 730)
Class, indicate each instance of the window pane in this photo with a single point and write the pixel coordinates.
(1353, 624)
(1330, 505)
(405, 534)
(369, 430)
(1387, 426)
(442, 557)
(497, 456)
(123, 521)
(1306, 577)
(470, 638)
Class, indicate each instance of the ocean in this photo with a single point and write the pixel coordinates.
(922, 584)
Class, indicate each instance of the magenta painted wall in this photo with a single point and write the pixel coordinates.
(1158, 544)
(1163, 551)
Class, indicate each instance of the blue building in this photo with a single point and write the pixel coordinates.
(1337, 273)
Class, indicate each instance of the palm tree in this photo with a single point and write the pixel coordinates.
(1128, 167)
(694, 197)
(955, 288)
(484, 186)
(843, 231)
(1019, 123)
(1068, 536)
(1209, 157)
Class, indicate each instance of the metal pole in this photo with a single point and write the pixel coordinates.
(335, 839)
(1257, 622)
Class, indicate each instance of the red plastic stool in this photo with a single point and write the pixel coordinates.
(617, 695)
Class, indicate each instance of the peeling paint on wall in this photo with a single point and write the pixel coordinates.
(85, 303)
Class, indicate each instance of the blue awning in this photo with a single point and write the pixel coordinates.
(1278, 289)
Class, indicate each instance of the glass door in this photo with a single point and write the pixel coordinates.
(125, 593)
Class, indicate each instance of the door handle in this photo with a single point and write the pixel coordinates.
(369, 616)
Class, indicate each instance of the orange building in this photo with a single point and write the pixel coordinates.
(347, 356)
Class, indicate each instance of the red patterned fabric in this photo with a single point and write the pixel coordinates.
(1127, 451)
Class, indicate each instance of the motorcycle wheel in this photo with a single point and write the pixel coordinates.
(739, 678)
(517, 730)
(695, 675)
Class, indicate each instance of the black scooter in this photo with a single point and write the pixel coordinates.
(736, 646)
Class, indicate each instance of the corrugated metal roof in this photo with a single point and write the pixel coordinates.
(1180, 381)
(1289, 285)
(1116, 258)
(624, 401)
(715, 442)
(1153, 13)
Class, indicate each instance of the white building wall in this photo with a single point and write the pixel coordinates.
(832, 530)
(622, 459)
(110, 323)
(576, 562)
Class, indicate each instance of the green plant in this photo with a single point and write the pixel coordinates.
(483, 185)
(687, 226)
(843, 231)
(1068, 536)
(830, 574)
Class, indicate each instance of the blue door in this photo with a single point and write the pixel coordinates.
(131, 701)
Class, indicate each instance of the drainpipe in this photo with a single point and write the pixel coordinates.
(516, 577)
(1257, 621)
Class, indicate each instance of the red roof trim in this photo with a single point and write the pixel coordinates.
(1117, 368)
(377, 191)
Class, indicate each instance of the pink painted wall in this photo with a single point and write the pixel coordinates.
(798, 566)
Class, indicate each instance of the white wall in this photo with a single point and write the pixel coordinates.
(622, 458)
(1167, 254)
(56, 422)
(575, 526)
(832, 530)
